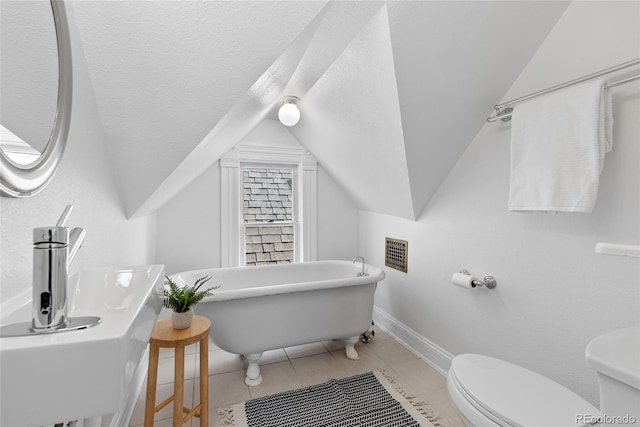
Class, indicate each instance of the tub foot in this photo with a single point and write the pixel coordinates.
(349, 344)
(253, 377)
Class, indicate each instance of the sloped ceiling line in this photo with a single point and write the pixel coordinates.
(363, 148)
(378, 82)
(297, 69)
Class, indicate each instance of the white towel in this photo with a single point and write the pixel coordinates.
(558, 143)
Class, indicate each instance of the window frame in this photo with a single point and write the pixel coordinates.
(259, 154)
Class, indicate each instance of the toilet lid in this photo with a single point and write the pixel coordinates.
(513, 395)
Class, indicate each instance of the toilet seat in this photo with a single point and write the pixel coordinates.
(509, 395)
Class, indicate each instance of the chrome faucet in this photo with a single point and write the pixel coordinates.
(53, 251)
(362, 273)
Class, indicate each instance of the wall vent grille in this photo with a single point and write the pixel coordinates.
(395, 253)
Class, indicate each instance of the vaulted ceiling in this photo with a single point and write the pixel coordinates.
(391, 93)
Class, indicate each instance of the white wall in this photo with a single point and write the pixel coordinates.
(188, 227)
(84, 180)
(338, 222)
(554, 293)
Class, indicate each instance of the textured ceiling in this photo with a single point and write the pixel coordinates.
(352, 125)
(165, 73)
(454, 60)
(391, 93)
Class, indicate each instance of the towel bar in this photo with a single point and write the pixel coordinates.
(503, 112)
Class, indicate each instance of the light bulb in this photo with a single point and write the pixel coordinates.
(289, 114)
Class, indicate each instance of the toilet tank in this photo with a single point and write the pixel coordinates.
(615, 356)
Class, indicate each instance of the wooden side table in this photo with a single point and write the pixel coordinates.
(165, 335)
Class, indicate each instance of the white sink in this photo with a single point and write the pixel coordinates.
(63, 376)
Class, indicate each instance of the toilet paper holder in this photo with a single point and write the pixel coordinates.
(489, 281)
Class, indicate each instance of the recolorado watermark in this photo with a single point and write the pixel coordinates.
(605, 419)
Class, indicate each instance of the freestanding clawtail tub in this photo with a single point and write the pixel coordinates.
(268, 307)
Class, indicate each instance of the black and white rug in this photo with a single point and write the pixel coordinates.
(372, 399)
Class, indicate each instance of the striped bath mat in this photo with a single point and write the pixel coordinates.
(372, 399)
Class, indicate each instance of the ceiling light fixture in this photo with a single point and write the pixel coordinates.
(289, 113)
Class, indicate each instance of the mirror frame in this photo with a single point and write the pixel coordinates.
(27, 180)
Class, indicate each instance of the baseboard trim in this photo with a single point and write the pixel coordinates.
(433, 354)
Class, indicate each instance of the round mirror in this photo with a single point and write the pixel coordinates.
(35, 101)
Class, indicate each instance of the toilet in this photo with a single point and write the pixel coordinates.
(615, 357)
(492, 392)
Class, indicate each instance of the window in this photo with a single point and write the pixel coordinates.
(268, 205)
(269, 215)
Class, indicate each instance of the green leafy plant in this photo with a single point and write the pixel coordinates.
(180, 299)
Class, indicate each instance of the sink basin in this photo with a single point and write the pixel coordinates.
(71, 375)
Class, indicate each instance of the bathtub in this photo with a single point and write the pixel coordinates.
(268, 307)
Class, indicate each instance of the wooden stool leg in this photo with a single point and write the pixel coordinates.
(178, 387)
(204, 382)
(152, 378)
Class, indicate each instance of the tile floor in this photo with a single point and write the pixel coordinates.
(295, 367)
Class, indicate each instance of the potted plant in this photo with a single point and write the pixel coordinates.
(181, 299)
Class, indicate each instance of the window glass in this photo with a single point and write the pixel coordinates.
(268, 215)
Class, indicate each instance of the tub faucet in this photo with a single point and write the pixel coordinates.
(53, 250)
(362, 273)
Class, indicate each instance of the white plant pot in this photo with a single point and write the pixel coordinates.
(182, 320)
